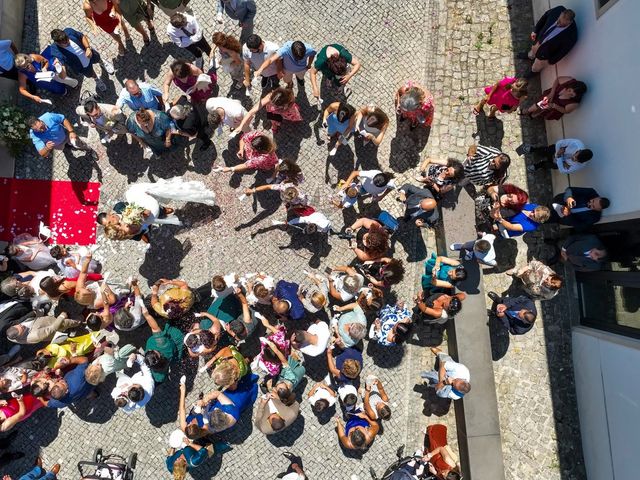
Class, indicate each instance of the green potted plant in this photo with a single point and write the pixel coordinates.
(14, 133)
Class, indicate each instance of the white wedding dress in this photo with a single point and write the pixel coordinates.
(149, 196)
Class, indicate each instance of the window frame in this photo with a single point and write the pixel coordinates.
(601, 10)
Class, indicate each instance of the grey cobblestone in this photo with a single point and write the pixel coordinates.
(445, 44)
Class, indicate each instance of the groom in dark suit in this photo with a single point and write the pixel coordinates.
(578, 207)
(554, 36)
(586, 253)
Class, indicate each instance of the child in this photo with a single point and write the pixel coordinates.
(482, 249)
(222, 287)
(346, 197)
(259, 288)
(70, 262)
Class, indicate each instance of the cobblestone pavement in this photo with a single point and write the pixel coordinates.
(455, 47)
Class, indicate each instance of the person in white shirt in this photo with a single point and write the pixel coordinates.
(254, 53)
(568, 155)
(225, 111)
(481, 249)
(451, 380)
(321, 397)
(259, 288)
(185, 31)
(223, 286)
(376, 183)
(132, 393)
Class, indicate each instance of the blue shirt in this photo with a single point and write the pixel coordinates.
(77, 385)
(289, 62)
(6, 55)
(147, 99)
(527, 224)
(288, 291)
(347, 354)
(55, 131)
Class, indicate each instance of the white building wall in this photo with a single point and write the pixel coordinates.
(606, 58)
(608, 389)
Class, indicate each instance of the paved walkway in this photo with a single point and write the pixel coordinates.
(436, 42)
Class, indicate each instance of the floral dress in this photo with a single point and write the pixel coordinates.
(291, 113)
(422, 115)
(259, 161)
(533, 278)
(390, 316)
(284, 345)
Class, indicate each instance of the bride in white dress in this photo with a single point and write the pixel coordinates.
(143, 207)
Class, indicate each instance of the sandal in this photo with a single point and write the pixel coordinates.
(476, 111)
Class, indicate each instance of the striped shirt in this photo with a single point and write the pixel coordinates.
(476, 168)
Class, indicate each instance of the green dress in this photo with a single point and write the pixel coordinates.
(134, 11)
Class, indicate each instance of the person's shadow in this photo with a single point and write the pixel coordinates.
(406, 146)
(490, 131)
(164, 256)
(499, 336)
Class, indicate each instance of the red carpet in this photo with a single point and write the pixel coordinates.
(68, 208)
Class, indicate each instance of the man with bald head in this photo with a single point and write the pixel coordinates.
(420, 205)
(137, 95)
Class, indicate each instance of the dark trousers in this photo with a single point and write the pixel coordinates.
(199, 48)
(10, 74)
(269, 84)
(548, 153)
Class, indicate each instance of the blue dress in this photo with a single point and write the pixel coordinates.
(242, 397)
(52, 86)
(335, 126)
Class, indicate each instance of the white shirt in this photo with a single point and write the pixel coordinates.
(316, 218)
(571, 145)
(40, 297)
(366, 177)
(267, 281)
(322, 394)
(488, 258)
(457, 370)
(142, 378)
(256, 59)
(323, 334)
(232, 281)
(338, 284)
(234, 112)
(180, 37)
(79, 52)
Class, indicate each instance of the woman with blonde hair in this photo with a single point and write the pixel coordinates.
(504, 96)
(230, 367)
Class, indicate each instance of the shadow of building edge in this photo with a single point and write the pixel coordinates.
(521, 21)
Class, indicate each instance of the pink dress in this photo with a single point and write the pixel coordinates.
(259, 161)
(290, 113)
(502, 97)
(31, 404)
(284, 345)
(424, 114)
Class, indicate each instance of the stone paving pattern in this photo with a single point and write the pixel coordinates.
(455, 48)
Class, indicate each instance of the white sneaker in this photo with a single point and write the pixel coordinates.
(333, 151)
(100, 85)
(455, 246)
(277, 222)
(108, 66)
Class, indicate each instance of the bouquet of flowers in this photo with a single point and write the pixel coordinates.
(14, 132)
(132, 214)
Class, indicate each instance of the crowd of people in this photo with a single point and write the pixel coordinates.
(77, 352)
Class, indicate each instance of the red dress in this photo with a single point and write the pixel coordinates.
(31, 404)
(290, 113)
(104, 20)
(552, 113)
(437, 437)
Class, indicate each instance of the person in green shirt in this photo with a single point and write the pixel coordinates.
(290, 376)
(333, 62)
(162, 347)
